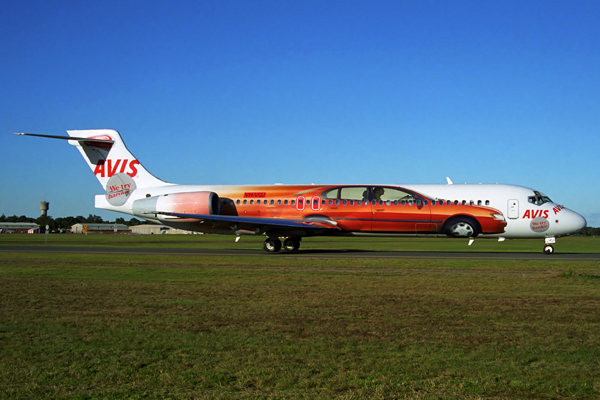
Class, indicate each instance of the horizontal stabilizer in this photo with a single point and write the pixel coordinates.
(78, 139)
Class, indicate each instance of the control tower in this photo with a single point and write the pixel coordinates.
(44, 206)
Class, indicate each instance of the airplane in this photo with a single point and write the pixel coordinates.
(293, 212)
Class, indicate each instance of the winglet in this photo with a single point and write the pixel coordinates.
(449, 181)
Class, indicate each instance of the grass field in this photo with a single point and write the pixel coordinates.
(563, 245)
(140, 326)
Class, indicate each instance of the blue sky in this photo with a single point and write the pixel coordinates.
(244, 92)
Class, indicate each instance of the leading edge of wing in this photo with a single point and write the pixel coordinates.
(288, 223)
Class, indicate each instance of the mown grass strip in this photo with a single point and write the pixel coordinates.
(564, 245)
(182, 327)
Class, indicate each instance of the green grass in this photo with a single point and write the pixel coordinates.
(153, 326)
(563, 245)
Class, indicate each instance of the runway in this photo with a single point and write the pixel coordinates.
(349, 254)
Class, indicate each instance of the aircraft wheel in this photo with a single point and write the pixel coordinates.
(462, 228)
(291, 244)
(272, 245)
(548, 249)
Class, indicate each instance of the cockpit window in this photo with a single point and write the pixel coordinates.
(538, 198)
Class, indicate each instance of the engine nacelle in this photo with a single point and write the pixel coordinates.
(205, 203)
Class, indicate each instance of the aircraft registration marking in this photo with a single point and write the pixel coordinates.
(255, 195)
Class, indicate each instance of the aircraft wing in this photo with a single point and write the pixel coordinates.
(256, 222)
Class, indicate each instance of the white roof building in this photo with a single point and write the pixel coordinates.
(100, 228)
(151, 229)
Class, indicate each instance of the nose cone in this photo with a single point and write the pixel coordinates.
(570, 222)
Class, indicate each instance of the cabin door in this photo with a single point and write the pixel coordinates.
(513, 209)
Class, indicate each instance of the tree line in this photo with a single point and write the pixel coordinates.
(589, 231)
(65, 223)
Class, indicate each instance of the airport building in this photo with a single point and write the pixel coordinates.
(19, 227)
(100, 228)
(150, 229)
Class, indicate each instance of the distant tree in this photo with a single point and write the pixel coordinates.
(120, 221)
(94, 219)
(589, 231)
(3, 218)
(133, 222)
(66, 222)
(80, 219)
(43, 221)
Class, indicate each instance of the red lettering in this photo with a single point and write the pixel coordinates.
(557, 209)
(99, 168)
(255, 194)
(535, 213)
(132, 166)
(111, 170)
(107, 170)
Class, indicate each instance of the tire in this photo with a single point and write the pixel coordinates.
(548, 249)
(272, 245)
(291, 244)
(462, 227)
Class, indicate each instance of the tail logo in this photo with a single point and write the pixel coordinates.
(119, 188)
(108, 168)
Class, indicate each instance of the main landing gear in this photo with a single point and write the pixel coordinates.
(273, 245)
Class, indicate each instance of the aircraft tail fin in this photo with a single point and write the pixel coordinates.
(109, 159)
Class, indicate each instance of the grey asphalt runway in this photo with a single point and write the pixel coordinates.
(350, 254)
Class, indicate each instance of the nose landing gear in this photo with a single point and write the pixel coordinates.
(548, 248)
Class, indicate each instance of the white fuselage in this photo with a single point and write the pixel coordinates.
(525, 217)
